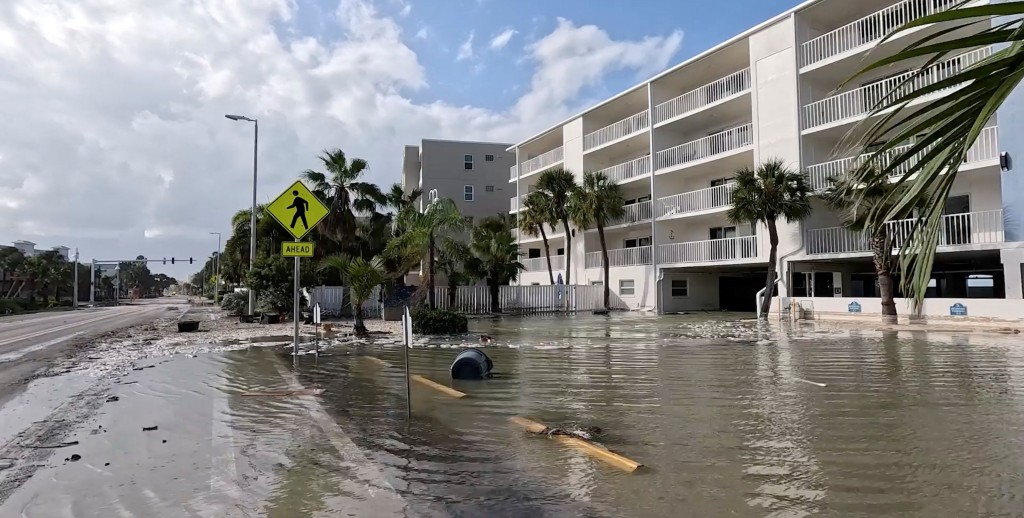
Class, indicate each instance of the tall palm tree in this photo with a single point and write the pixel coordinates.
(763, 195)
(397, 200)
(536, 213)
(339, 187)
(362, 276)
(495, 255)
(950, 124)
(418, 240)
(597, 202)
(558, 185)
(856, 200)
(452, 256)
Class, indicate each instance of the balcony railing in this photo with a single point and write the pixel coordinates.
(638, 256)
(970, 228)
(985, 148)
(543, 161)
(615, 131)
(717, 144)
(626, 170)
(635, 213)
(704, 96)
(711, 251)
(863, 100)
(869, 29)
(513, 173)
(540, 264)
(517, 202)
(696, 201)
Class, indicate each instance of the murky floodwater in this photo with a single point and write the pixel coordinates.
(729, 419)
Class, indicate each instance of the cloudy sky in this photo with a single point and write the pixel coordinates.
(112, 135)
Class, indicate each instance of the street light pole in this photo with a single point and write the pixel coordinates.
(216, 285)
(75, 289)
(252, 216)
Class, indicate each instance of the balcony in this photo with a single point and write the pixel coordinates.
(635, 213)
(517, 202)
(711, 251)
(857, 103)
(541, 162)
(702, 200)
(869, 29)
(621, 129)
(628, 170)
(971, 228)
(513, 173)
(540, 264)
(703, 97)
(637, 256)
(984, 149)
(707, 147)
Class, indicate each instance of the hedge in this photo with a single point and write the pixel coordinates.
(438, 322)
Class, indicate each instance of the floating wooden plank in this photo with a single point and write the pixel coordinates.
(378, 361)
(285, 393)
(600, 452)
(437, 386)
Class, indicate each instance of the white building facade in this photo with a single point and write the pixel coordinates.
(674, 143)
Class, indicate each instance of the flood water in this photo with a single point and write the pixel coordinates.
(729, 419)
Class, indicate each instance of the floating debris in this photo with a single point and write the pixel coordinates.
(149, 428)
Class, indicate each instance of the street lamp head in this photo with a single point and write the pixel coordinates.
(239, 118)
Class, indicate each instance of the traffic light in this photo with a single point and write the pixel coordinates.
(189, 260)
(172, 260)
(165, 260)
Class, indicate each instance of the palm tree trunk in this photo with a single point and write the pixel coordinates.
(604, 258)
(568, 251)
(881, 252)
(430, 272)
(547, 253)
(769, 286)
(492, 281)
(452, 291)
(359, 328)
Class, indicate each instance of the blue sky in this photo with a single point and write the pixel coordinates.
(486, 79)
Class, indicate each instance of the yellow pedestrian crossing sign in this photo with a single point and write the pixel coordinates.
(298, 210)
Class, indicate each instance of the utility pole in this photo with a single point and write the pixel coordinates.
(252, 216)
(74, 303)
(216, 288)
(92, 283)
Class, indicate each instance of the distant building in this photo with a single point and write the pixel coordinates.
(9, 281)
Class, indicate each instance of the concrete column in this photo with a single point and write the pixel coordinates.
(1013, 271)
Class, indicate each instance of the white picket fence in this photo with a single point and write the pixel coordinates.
(334, 301)
(476, 300)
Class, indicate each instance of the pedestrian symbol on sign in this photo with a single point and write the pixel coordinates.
(301, 206)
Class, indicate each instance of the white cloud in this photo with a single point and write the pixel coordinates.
(121, 147)
(502, 39)
(405, 7)
(423, 33)
(466, 49)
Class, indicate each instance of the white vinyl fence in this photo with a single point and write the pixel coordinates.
(476, 300)
(335, 301)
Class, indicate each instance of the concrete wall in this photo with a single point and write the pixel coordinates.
(998, 309)
(442, 168)
(703, 292)
(645, 285)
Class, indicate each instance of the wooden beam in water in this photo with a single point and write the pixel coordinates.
(600, 452)
(437, 386)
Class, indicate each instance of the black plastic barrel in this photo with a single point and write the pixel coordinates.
(471, 364)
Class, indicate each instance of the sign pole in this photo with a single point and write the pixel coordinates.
(407, 335)
(295, 311)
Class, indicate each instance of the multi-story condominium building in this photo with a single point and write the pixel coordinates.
(673, 144)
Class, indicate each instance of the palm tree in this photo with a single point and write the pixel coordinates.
(418, 240)
(558, 185)
(535, 214)
(856, 201)
(452, 256)
(340, 189)
(495, 255)
(597, 202)
(764, 195)
(950, 124)
(362, 277)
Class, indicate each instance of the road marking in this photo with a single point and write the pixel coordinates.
(10, 357)
(811, 382)
(73, 325)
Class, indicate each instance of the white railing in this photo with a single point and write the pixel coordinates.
(706, 95)
(711, 251)
(635, 213)
(970, 228)
(638, 256)
(513, 173)
(549, 230)
(861, 101)
(696, 201)
(476, 300)
(869, 29)
(540, 264)
(617, 130)
(626, 170)
(724, 142)
(985, 148)
(518, 202)
(543, 161)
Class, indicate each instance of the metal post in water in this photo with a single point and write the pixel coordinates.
(295, 312)
(407, 335)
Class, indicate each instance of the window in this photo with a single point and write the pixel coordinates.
(637, 242)
(597, 283)
(722, 181)
(488, 158)
(488, 188)
(560, 251)
(680, 288)
(722, 232)
(533, 253)
(467, 194)
(627, 287)
(467, 161)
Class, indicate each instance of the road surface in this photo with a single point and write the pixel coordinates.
(28, 343)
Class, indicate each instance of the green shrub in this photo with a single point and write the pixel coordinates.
(236, 303)
(438, 322)
(10, 307)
